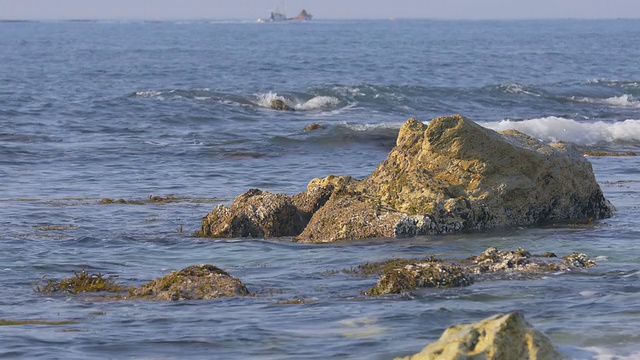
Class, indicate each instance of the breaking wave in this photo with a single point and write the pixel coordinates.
(562, 129)
(315, 103)
(623, 100)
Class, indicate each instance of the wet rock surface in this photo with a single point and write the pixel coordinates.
(448, 176)
(403, 275)
(259, 213)
(504, 336)
(197, 282)
(521, 261)
(419, 275)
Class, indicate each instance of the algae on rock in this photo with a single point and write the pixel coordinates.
(403, 275)
(198, 282)
(81, 282)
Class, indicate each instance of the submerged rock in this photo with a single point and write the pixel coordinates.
(521, 261)
(313, 127)
(280, 105)
(403, 275)
(197, 282)
(504, 337)
(419, 275)
(448, 176)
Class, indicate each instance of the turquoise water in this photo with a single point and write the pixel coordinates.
(92, 110)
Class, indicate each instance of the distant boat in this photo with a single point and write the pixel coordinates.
(280, 16)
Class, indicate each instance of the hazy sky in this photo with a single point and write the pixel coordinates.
(321, 9)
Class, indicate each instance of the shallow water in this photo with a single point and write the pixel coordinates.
(93, 110)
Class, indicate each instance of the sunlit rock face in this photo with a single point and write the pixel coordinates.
(450, 175)
(504, 336)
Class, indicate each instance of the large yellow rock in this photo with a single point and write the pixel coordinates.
(449, 175)
(453, 175)
(501, 337)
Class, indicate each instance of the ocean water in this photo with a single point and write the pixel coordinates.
(93, 110)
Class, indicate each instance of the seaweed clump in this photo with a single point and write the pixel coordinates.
(4, 322)
(81, 282)
(381, 267)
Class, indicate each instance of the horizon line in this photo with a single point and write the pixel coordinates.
(168, 19)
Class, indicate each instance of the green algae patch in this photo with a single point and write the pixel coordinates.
(157, 200)
(44, 227)
(381, 267)
(197, 282)
(81, 282)
(4, 322)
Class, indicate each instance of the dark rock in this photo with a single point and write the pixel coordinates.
(263, 214)
(312, 127)
(419, 275)
(280, 105)
(402, 275)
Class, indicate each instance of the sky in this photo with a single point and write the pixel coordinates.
(321, 9)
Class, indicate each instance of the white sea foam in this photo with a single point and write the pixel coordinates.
(314, 103)
(518, 89)
(149, 93)
(622, 101)
(368, 127)
(606, 354)
(318, 102)
(265, 100)
(561, 129)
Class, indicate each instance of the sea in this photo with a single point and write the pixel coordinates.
(180, 110)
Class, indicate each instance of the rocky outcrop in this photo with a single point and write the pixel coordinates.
(448, 176)
(198, 282)
(500, 337)
(403, 275)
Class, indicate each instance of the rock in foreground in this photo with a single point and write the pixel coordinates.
(198, 282)
(501, 337)
(448, 176)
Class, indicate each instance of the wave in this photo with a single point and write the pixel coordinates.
(303, 102)
(625, 84)
(625, 100)
(315, 103)
(553, 128)
(514, 88)
(177, 94)
(517, 99)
